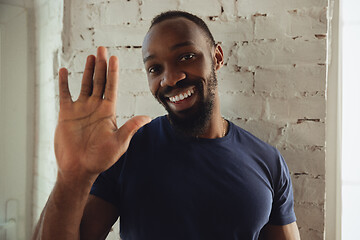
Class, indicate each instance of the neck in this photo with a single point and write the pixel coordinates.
(218, 126)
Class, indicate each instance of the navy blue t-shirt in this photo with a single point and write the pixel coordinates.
(169, 186)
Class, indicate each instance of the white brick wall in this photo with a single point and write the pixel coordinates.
(273, 82)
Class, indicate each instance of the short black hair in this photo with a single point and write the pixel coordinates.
(195, 19)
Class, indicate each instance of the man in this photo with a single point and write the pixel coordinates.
(187, 175)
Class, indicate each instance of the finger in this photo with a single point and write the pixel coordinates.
(65, 97)
(127, 131)
(112, 80)
(87, 79)
(100, 73)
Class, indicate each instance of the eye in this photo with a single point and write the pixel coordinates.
(154, 69)
(187, 56)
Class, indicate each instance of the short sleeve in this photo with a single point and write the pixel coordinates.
(282, 212)
(106, 186)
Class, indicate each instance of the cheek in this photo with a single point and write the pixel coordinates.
(154, 85)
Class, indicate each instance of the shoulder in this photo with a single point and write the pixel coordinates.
(252, 143)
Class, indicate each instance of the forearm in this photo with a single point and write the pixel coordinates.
(63, 212)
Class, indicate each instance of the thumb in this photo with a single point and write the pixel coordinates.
(127, 131)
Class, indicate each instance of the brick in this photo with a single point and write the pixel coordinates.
(278, 51)
(270, 26)
(129, 57)
(303, 22)
(235, 81)
(308, 3)
(241, 105)
(213, 7)
(151, 8)
(288, 80)
(311, 162)
(119, 12)
(125, 104)
(293, 109)
(86, 15)
(82, 38)
(312, 234)
(112, 36)
(133, 81)
(237, 30)
(147, 105)
(310, 216)
(250, 7)
(265, 130)
(228, 8)
(313, 193)
(77, 63)
(306, 134)
(74, 81)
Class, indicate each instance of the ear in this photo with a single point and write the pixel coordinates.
(219, 57)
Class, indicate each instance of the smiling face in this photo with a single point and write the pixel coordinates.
(180, 64)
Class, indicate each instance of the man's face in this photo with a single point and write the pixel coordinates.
(180, 65)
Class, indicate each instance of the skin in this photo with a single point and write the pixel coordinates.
(87, 140)
(176, 50)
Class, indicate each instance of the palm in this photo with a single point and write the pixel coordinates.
(87, 139)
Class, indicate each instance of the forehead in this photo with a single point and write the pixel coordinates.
(172, 32)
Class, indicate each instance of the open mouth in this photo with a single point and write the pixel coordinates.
(184, 95)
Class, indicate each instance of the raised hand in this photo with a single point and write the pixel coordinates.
(87, 139)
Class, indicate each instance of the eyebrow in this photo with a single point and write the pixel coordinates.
(172, 48)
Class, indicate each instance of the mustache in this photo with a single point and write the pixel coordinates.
(180, 84)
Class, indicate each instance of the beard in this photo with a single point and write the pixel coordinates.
(195, 120)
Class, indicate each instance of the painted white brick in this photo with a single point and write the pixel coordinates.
(311, 233)
(125, 104)
(241, 105)
(133, 81)
(314, 192)
(306, 134)
(229, 9)
(304, 22)
(289, 80)
(239, 30)
(147, 105)
(213, 7)
(86, 15)
(235, 81)
(296, 108)
(128, 55)
(82, 38)
(151, 8)
(305, 161)
(270, 26)
(308, 3)
(250, 7)
(120, 35)
(278, 51)
(265, 130)
(310, 217)
(74, 82)
(119, 12)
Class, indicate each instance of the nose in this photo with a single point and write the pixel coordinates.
(171, 76)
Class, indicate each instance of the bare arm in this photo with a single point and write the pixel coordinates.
(87, 142)
(286, 232)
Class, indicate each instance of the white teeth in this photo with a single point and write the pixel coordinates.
(181, 96)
